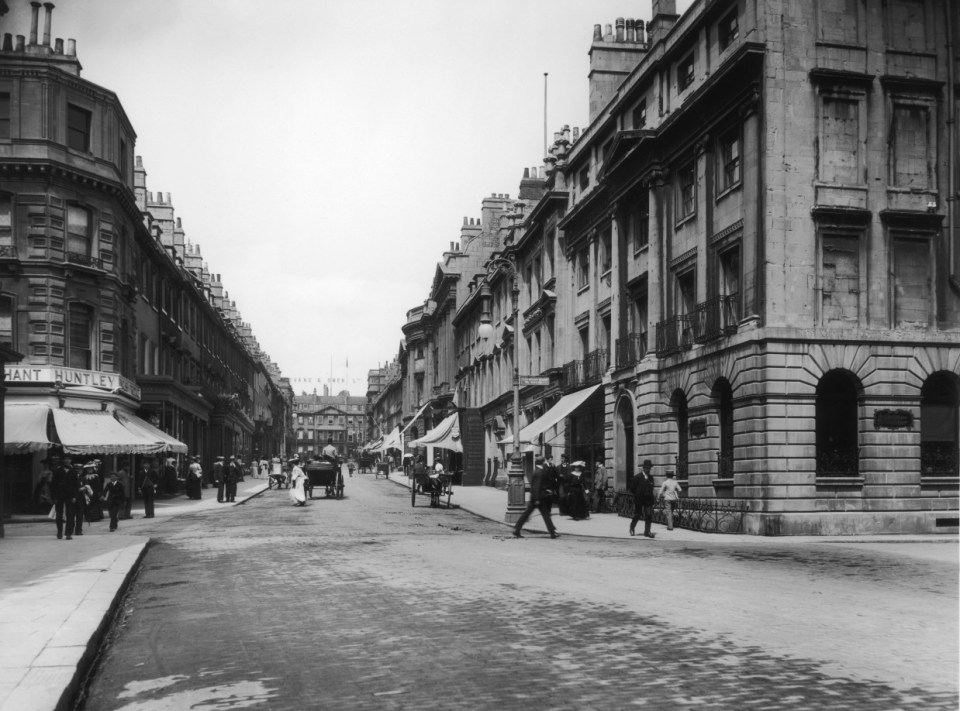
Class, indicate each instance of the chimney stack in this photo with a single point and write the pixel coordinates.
(47, 23)
(34, 21)
(612, 57)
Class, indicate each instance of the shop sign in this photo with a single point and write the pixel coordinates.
(70, 376)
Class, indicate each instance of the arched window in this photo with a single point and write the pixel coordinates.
(724, 394)
(939, 425)
(679, 404)
(838, 450)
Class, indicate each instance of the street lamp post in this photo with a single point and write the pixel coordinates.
(516, 489)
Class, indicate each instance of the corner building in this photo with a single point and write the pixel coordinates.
(766, 197)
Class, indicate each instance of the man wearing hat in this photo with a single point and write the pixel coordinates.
(65, 486)
(218, 478)
(148, 488)
(115, 496)
(543, 487)
(643, 499)
(232, 475)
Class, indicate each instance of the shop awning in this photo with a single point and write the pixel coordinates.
(391, 441)
(98, 432)
(564, 407)
(148, 432)
(446, 435)
(25, 428)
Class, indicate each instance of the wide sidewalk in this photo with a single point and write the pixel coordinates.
(57, 597)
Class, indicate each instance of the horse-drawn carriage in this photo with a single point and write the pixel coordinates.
(322, 473)
(430, 483)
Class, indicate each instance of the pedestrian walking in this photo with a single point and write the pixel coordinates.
(643, 499)
(66, 486)
(219, 478)
(149, 480)
(126, 480)
(194, 483)
(93, 479)
(297, 477)
(670, 495)
(114, 495)
(543, 487)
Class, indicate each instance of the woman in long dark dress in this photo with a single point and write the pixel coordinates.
(576, 498)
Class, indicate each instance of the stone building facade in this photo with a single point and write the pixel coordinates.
(112, 310)
(746, 267)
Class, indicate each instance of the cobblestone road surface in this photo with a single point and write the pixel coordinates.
(367, 603)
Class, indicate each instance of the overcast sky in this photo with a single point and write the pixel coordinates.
(323, 153)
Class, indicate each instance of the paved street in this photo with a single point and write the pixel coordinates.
(367, 603)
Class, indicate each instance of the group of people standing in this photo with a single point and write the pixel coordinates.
(566, 486)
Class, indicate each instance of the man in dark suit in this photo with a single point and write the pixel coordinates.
(65, 485)
(218, 477)
(543, 487)
(232, 476)
(643, 499)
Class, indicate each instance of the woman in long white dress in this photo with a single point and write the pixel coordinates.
(297, 477)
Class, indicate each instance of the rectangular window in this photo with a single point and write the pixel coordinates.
(78, 128)
(686, 192)
(840, 280)
(838, 21)
(639, 115)
(728, 31)
(911, 284)
(729, 166)
(584, 179)
(78, 230)
(80, 337)
(583, 269)
(685, 73)
(640, 222)
(4, 114)
(840, 141)
(907, 25)
(6, 321)
(910, 146)
(6, 224)
(685, 297)
(606, 251)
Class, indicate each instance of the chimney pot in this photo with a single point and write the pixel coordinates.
(597, 33)
(526, 173)
(7, 42)
(631, 31)
(58, 46)
(620, 29)
(465, 220)
(71, 48)
(20, 42)
(608, 33)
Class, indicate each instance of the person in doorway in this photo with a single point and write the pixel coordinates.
(297, 478)
(219, 477)
(670, 495)
(643, 499)
(543, 488)
(169, 477)
(43, 491)
(114, 496)
(599, 487)
(577, 507)
(148, 488)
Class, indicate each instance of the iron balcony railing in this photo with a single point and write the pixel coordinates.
(595, 365)
(572, 376)
(938, 459)
(631, 350)
(839, 462)
(84, 260)
(716, 317)
(674, 334)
